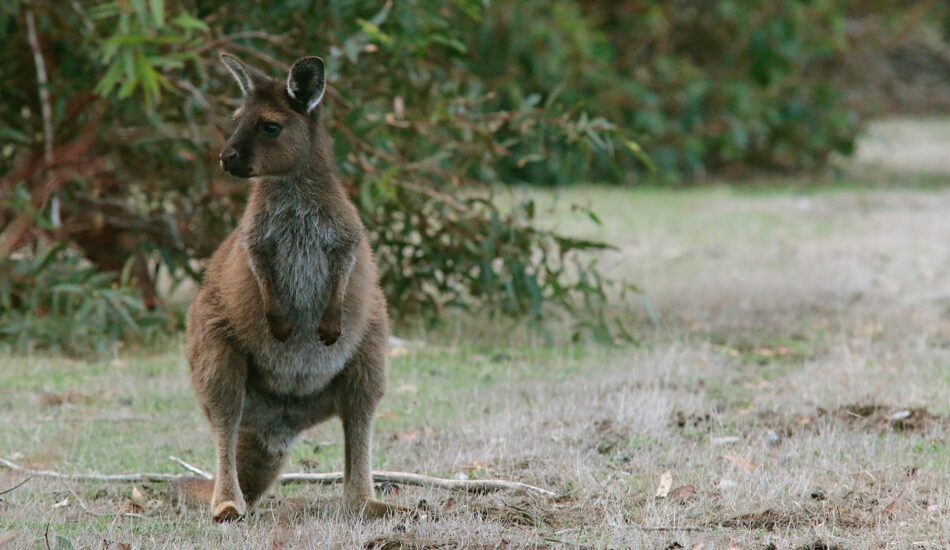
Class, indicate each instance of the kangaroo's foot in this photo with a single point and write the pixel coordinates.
(228, 509)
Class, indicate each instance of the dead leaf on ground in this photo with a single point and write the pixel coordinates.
(683, 493)
(7, 538)
(55, 399)
(406, 437)
(740, 462)
(889, 511)
(130, 507)
(666, 482)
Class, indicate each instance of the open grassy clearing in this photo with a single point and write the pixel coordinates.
(798, 381)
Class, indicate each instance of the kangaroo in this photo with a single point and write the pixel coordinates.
(289, 327)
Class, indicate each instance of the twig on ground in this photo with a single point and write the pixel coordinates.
(119, 478)
(467, 485)
(15, 487)
(190, 468)
(889, 511)
(672, 528)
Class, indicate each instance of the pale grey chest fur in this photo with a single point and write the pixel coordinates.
(289, 246)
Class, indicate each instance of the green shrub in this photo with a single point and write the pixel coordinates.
(52, 299)
(704, 87)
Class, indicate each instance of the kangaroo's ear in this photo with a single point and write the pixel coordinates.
(307, 82)
(247, 77)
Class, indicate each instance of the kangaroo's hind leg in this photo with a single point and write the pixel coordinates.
(257, 465)
(218, 374)
(360, 389)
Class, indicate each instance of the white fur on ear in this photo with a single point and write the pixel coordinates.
(306, 82)
(312, 104)
(239, 71)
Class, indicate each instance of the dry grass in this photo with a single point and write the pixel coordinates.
(798, 381)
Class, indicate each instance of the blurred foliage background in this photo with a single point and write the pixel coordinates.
(112, 115)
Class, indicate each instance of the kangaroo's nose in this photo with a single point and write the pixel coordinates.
(229, 154)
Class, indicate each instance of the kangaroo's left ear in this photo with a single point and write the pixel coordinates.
(307, 82)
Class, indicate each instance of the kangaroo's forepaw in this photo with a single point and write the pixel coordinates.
(279, 328)
(228, 511)
(329, 331)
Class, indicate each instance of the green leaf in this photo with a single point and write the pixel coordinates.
(158, 12)
(189, 22)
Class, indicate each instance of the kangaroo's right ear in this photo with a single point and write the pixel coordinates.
(247, 77)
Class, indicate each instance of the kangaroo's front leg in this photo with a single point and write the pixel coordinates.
(341, 264)
(280, 328)
(218, 375)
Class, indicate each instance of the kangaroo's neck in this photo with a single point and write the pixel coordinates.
(312, 187)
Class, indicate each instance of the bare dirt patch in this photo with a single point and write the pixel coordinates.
(771, 520)
(886, 419)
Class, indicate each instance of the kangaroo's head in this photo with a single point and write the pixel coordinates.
(275, 127)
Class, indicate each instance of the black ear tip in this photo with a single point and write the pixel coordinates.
(228, 58)
(309, 62)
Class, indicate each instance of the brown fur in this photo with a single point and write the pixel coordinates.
(290, 326)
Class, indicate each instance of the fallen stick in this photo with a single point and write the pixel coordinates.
(120, 478)
(405, 478)
(190, 468)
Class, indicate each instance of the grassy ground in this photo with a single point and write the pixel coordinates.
(796, 387)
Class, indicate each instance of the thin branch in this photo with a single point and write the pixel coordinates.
(42, 84)
(83, 16)
(119, 478)
(190, 468)
(664, 528)
(230, 38)
(15, 487)
(406, 478)
(261, 56)
(466, 485)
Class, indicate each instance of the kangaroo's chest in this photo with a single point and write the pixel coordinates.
(291, 248)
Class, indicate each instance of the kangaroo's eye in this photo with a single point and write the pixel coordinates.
(271, 128)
